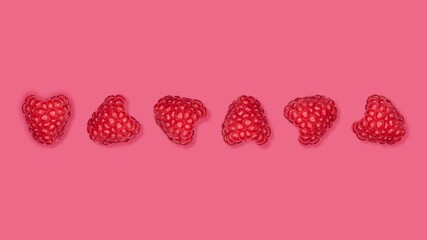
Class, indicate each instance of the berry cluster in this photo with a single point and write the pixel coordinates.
(46, 119)
(245, 120)
(111, 123)
(177, 117)
(312, 115)
(382, 122)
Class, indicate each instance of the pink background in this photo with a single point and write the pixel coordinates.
(214, 51)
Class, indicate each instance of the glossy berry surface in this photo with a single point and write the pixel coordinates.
(48, 118)
(111, 123)
(178, 116)
(313, 115)
(245, 121)
(382, 122)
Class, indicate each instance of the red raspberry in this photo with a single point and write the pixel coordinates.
(312, 115)
(111, 123)
(47, 119)
(382, 122)
(177, 117)
(245, 120)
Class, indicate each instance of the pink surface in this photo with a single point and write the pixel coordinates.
(153, 189)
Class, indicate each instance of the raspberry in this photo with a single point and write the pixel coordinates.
(111, 123)
(382, 122)
(177, 117)
(245, 120)
(48, 118)
(312, 115)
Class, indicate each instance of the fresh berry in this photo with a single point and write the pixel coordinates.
(47, 119)
(177, 117)
(111, 123)
(245, 120)
(312, 115)
(382, 122)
